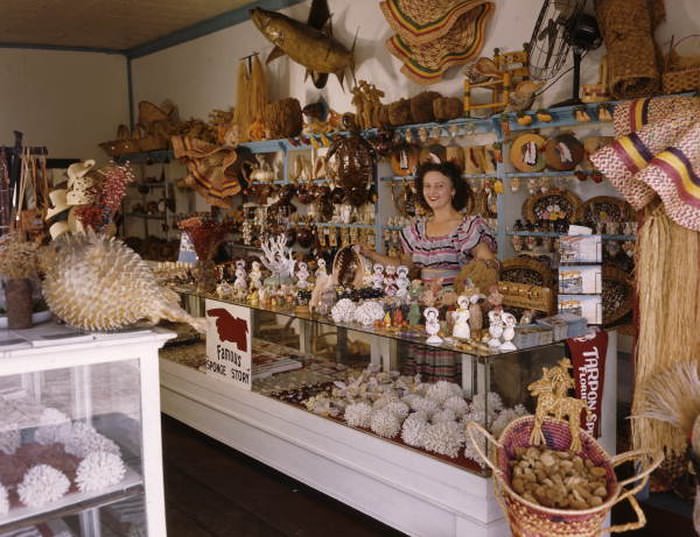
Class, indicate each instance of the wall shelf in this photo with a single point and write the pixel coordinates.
(556, 234)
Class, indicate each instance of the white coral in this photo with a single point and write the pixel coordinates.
(412, 399)
(358, 415)
(443, 390)
(99, 470)
(368, 312)
(383, 401)
(471, 453)
(4, 501)
(385, 424)
(413, 428)
(41, 485)
(429, 406)
(53, 426)
(457, 404)
(343, 311)
(398, 408)
(445, 438)
(83, 439)
(10, 439)
(444, 415)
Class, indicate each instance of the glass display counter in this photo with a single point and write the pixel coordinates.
(80, 451)
(372, 416)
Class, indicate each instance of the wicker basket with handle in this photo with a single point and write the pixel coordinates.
(681, 73)
(528, 519)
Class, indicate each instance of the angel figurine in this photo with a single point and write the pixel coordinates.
(432, 326)
(320, 268)
(240, 284)
(302, 275)
(509, 322)
(255, 275)
(461, 330)
(389, 276)
(495, 329)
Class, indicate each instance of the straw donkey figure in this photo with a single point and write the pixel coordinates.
(552, 400)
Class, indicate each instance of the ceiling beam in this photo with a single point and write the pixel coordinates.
(230, 18)
(65, 48)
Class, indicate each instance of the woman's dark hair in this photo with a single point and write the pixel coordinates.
(462, 191)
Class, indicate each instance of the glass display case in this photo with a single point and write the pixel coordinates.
(80, 447)
(370, 415)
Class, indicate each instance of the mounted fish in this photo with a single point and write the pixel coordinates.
(308, 44)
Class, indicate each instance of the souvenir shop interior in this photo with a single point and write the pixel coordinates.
(437, 261)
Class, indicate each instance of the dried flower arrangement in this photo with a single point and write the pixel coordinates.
(18, 257)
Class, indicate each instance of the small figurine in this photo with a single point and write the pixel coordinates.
(402, 282)
(378, 276)
(320, 268)
(413, 314)
(387, 320)
(476, 316)
(255, 275)
(495, 299)
(508, 332)
(389, 276)
(397, 319)
(461, 330)
(527, 317)
(240, 284)
(302, 276)
(224, 290)
(495, 329)
(432, 326)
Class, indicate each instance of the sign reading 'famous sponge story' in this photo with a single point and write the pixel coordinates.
(229, 343)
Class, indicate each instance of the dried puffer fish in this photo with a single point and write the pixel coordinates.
(95, 282)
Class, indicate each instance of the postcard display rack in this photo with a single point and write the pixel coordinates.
(266, 394)
(81, 452)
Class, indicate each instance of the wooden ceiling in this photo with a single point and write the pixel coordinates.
(118, 25)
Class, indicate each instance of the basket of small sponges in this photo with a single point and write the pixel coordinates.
(550, 490)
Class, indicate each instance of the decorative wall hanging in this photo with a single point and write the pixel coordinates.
(563, 152)
(251, 98)
(350, 162)
(308, 44)
(527, 153)
(551, 206)
(434, 36)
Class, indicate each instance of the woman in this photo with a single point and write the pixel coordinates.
(447, 239)
(438, 246)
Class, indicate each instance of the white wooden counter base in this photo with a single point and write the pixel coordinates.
(411, 492)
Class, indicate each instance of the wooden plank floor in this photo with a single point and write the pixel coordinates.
(214, 491)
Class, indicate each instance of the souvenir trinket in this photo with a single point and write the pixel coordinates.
(432, 326)
(461, 328)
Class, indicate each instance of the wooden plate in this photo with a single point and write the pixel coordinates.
(604, 209)
(536, 207)
(527, 153)
(563, 152)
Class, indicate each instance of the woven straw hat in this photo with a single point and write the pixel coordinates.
(58, 202)
(621, 160)
(674, 174)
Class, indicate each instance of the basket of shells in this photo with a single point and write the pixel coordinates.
(549, 490)
(552, 478)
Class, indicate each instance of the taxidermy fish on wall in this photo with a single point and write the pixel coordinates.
(311, 44)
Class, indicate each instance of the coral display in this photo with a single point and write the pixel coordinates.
(41, 485)
(358, 415)
(83, 439)
(343, 311)
(385, 424)
(413, 429)
(443, 390)
(10, 438)
(99, 470)
(54, 425)
(95, 282)
(445, 438)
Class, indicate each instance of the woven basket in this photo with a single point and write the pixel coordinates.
(528, 519)
(677, 79)
(627, 29)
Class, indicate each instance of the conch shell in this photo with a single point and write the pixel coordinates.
(95, 282)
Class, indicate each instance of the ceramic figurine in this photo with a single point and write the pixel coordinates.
(495, 329)
(224, 290)
(413, 314)
(320, 268)
(527, 317)
(495, 299)
(389, 277)
(508, 332)
(240, 284)
(461, 328)
(302, 276)
(402, 282)
(387, 320)
(255, 275)
(476, 316)
(378, 276)
(432, 326)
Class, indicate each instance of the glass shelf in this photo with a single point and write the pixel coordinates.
(548, 173)
(409, 335)
(339, 224)
(556, 234)
(464, 176)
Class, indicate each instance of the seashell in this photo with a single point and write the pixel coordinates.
(95, 282)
